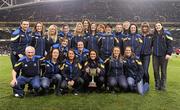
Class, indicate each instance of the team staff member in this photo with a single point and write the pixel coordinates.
(115, 71)
(71, 71)
(52, 37)
(30, 72)
(134, 72)
(81, 52)
(94, 62)
(92, 38)
(38, 39)
(52, 74)
(78, 35)
(133, 40)
(106, 42)
(162, 50)
(146, 50)
(20, 39)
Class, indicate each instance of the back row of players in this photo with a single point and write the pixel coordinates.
(121, 58)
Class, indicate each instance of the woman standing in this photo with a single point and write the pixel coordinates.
(146, 50)
(52, 37)
(162, 50)
(38, 39)
(92, 39)
(78, 35)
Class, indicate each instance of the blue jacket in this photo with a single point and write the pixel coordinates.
(20, 40)
(106, 44)
(98, 63)
(92, 42)
(38, 42)
(114, 67)
(82, 57)
(69, 36)
(120, 36)
(71, 71)
(162, 44)
(63, 50)
(147, 45)
(133, 68)
(29, 68)
(76, 39)
(134, 41)
(51, 69)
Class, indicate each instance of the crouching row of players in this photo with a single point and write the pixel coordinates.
(124, 73)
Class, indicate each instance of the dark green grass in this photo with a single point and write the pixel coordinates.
(153, 100)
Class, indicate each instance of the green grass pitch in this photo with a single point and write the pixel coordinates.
(153, 100)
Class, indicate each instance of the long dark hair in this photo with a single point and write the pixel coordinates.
(155, 31)
(97, 55)
(130, 28)
(89, 24)
(91, 28)
(49, 56)
(73, 52)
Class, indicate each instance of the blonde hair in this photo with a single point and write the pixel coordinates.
(76, 33)
(53, 37)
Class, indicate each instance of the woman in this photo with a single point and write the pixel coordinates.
(134, 71)
(92, 39)
(133, 40)
(115, 71)
(52, 37)
(96, 64)
(86, 26)
(52, 73)
(162, 50)
(106, 42)
(146, 50)
(38, 39)
(100, 29)
(78, 35)
(71, 71)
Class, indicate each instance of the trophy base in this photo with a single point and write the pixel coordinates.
(92, 84)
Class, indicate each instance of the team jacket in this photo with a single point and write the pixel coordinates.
(162, 44)
(106, 44)
(71, 71)
(147, 45)
(92, 42)
(134, 41)
(51, 69)
(38, 42)
(95, 64)
(69, 36)
(114, 67)
(133, 68)
(29, 68)
(82, 57)
(20, 40)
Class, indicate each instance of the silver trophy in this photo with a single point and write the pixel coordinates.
(92, 74)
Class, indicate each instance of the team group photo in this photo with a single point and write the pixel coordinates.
(89, 55)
